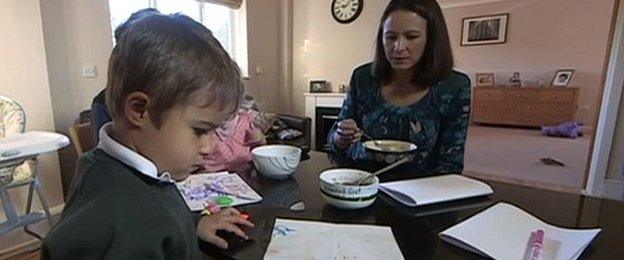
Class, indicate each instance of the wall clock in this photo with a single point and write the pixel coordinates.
(346, 11)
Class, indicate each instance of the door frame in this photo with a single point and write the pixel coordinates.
(605, 127)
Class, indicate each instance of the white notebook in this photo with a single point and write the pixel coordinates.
(503, 232)
(200, 188)
(297, 239)
(418, 192)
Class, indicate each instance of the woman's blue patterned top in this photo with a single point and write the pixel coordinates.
(437, 124)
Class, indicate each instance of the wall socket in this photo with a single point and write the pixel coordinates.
(89, 71)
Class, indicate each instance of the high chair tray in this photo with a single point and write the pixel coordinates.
(30, 143)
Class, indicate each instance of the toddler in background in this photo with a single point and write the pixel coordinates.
(234, 141)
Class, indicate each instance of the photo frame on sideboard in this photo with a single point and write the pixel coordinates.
(484, 79)
(562, 78)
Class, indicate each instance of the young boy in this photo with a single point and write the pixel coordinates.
(170, 85)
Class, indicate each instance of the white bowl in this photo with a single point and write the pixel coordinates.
(276, 161)
(338, 194)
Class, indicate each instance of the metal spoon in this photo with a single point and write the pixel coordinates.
(382, 170)
(376, 142)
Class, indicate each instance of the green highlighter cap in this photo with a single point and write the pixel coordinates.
(224, 201)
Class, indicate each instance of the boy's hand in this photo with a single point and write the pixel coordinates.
(227, 219)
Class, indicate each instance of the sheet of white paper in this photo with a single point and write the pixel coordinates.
(418, 192)
(503, 231)
(295, 239)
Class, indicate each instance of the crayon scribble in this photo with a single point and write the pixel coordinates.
(282, 230)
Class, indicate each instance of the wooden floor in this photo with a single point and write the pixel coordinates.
(25, 256)
(513, 155)
(18, 244)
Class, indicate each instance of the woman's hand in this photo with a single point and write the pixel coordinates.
(346, 134)
(228, 219)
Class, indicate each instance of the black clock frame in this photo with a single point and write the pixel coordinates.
(355, 16)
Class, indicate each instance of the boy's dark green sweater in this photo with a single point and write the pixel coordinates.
(116, 212)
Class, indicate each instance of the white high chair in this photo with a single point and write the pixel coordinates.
(18, 163)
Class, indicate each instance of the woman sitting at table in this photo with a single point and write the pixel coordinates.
(409, 92)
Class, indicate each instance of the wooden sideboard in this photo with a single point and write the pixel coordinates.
(524, 106)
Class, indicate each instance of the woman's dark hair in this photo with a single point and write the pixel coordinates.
(436, 62)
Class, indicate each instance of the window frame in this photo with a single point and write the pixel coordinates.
(238, 49)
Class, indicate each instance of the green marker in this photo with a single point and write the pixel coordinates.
(224, 201)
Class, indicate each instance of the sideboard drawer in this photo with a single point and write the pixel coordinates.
(524, 106)
(556, 119)
(489, 94)
(560, 96)
(493, 118)
(557, 108)
(511, 107)
(530, 108)
(486, 106)
(521, 95)
(527, 119)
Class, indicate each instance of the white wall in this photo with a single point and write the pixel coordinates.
(542, 36)
(24, 78)
(77, 33)
(264, 45)
(325, 49)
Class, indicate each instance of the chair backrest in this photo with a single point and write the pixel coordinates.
(82, 137)
(12, 117)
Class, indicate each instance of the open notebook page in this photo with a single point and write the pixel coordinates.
(503, 231)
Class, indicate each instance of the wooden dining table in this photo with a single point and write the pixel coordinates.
(416, 229)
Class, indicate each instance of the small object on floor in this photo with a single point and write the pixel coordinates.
(571, 129)
(297, 206)
(551, 161)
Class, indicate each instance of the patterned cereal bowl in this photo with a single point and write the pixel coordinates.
(338, 188)
(276, 161)
(389, 151)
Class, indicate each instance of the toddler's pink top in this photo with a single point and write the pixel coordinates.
(232, 143)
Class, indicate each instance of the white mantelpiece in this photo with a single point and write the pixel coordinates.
(313, 100)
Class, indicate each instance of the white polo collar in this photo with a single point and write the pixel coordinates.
(128, 156)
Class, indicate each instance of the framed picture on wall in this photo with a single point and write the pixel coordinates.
(562, 78)
(484, 79)
(480, 30)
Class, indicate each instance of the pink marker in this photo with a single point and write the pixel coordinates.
(537, 244)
